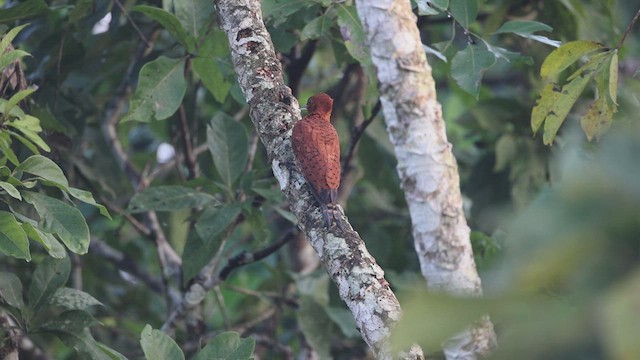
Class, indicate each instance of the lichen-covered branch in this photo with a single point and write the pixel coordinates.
(426, 165)
(274, 110)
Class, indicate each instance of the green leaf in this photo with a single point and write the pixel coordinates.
(48, 241)
(523, 27)
(544, 103)
(158, 345)
(168, 198)
(170, 22)
(5, 148)
(84, 344)
(23, 10)
(30, 127)
(316, 28)
(207, 64)
(194, 15)
(227, 346)
(9, 36)
(160, 90)
(13, 240)
(61, 219)
(277, 11)
(11, 290)
(14, 111)
(353, 34)
(562, 57)
(80, 11)
(464, 11)
(87, 197)
(73, 299)
(468, 66)
(71, 321)
(11, 56)
(44, 168)
(214, 220)
(563, 103)
(227, 140)
(257, 223)
(112, 354)
(344, 319)
(315, 325)
(17, 97)
(49, 275)
(432, 7)
(613, 78)
(11, 190)
(598, 118)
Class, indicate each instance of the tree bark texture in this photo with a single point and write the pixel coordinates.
(274, 110)
(426, 166)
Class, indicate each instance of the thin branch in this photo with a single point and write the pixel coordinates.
(133, 24)
(626, 32)
(189, 155)
(297, 65)
(356, 134)
(271, 296)
(246, 258)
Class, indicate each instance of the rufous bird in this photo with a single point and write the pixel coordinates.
(317, 149)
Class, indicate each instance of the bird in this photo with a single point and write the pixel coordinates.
(316, 147)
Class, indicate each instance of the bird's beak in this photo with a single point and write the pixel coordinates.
(303, 108)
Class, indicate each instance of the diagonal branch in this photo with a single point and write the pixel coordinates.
(273, 110)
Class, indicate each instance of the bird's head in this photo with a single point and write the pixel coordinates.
(320, 104)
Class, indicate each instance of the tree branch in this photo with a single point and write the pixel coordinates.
(426, 166)
(274, 110)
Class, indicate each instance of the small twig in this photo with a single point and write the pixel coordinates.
(245, 258)
(133, 23)
(355, 138)
(286, 351)
(222, 306)
(626, 32)
(189, 156)
(271, 296)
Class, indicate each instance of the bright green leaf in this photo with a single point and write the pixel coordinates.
(468, 66)
(227, 140)
(9, 36)
(87, 197)
(10, 189)
(30, 127)
(158, 345)
(598, 118)
(13, 240)
(61, 219)
(562, 57)
(11, 290)
(17, 97)
(49, 275)
(168, 198)
(73, 299)
(5, 148)
(227, 346)
(316, 28)
(48, 241)
(464, 11)
(160, 90)
(170, 22)
(11, 56)
(563, 103)
(13, 111)
(45, 168)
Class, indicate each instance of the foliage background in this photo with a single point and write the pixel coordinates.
(566, 196)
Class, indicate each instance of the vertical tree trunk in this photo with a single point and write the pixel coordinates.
(426, 166)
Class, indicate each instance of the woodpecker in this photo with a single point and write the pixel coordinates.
(317, 149)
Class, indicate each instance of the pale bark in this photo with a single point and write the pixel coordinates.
(274, 110)
(426, 166)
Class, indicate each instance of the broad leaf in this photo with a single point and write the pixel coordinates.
(523, 27)
(468, 66)
(23, 10)
(158, 345)
(160, 90)
(214, 220)
(49, 275)
(598, 118)
(30, 127)
(432, 7)
(48, 241)
(10, 189)
(316, 28)
(44, 168)
(71, 321)
(277, 11)
(11, 290)
(194, 15)
(464, 11)
(207, 64)
(168, 198)
(562, 57)
(17, 97)
(64, 220)
(227, 140)
(73, 299)
(13, 240)
(353, 34)
(87, 197)
(9, 36)
(170, 22)
(613, 78)
(227, 346)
